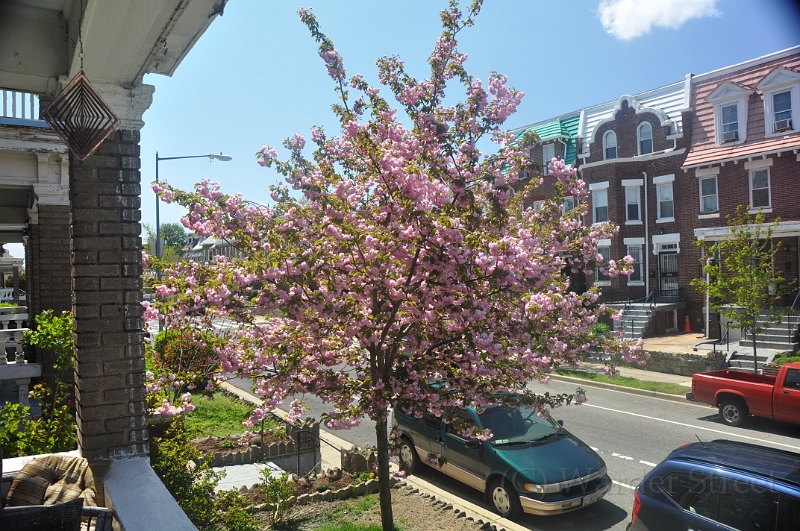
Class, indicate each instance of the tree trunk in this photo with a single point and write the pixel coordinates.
(384, 480)
(755, 359)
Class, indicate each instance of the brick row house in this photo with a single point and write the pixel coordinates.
(668, 165)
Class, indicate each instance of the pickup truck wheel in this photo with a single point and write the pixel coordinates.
(732, 412)
(409, 459)
(504, 499)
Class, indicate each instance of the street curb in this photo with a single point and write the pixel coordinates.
(620, 388)
(450, 501)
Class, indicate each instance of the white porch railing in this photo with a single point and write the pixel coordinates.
(11, 338)
(21, 105)
(7, 295)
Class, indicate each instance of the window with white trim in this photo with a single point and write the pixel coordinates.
(781, 89)
(632, 206)
(708, 195)
(605, 252)
(645, 136)
(548, 154)
(666, 205)
(759, 189)
(635, 252)
(730, 123)
(569, 203)
(610, 145)
(600, 205)
(730, 112)
(537, 205)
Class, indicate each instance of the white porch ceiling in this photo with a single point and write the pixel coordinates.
(122, 39)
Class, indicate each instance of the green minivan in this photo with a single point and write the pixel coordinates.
(531, 464)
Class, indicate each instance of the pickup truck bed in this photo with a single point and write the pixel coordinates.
(739, 394)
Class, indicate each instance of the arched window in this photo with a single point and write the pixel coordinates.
(645, 136)
(610, 145)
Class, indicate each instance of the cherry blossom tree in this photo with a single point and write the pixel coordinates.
(404, 268)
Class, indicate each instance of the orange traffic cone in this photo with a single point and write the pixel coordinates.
(686, 327)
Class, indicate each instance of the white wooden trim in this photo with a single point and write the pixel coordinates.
(598, 186)
(664, 179)
(758, 164)
(632, 182)
(706, 172)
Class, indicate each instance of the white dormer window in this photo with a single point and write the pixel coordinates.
(548, 154)
(781, 89)
(645, 135)
(730, 112)
(610, 145)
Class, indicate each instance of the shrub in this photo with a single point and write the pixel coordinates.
(55, 430)
(783, 359)
(278, 491)
(184, 351)
(193, 486)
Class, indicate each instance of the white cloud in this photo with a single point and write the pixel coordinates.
(628, 19)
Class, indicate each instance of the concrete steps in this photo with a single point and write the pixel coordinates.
(635, 320)
(781, 336)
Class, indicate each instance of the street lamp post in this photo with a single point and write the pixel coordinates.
(210, 157)
(159, 247)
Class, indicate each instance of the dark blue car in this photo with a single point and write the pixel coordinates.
(720, 485)
(530, 465)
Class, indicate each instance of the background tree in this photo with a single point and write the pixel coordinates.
(409, 259)
(744, 286)
(22, 280)
(174, 236)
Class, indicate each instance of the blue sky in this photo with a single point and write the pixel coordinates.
(255, 78)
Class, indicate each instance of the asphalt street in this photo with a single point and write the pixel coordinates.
(632, 433)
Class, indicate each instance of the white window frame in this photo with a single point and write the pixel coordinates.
(537, 205)
(603, 248)
(778, 81)
(702, 197)
(545, 159)
(768, 206)
(606, 136)
(595, 188)
(636, 243)
(633, 184)
(752, 167)
(639, 138)
(660, 181)
(571, 200)
(727, 94)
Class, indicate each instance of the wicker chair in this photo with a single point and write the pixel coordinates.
(57, 517)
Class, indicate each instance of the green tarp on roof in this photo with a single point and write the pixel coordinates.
(566, 127)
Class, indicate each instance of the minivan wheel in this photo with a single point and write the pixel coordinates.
(409, 459)
(504, 499)
(732, 412)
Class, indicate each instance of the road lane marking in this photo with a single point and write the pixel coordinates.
(648, 463)
(615, 482)
(693, 426)
(615, 454)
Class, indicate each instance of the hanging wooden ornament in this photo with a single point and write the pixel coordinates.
(80, 117)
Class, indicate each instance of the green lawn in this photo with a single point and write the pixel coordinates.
(336, 519)
(221, 416)
(626, 381)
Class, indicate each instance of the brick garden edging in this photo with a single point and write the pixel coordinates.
(271, 452)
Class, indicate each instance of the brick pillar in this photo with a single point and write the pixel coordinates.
(47, 264)
(106, 283)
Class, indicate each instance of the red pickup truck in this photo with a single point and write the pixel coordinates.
(738, 394)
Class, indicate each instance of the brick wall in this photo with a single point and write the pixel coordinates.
(48, 272)
(106, 282)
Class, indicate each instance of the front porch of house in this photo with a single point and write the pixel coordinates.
(79, 220)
